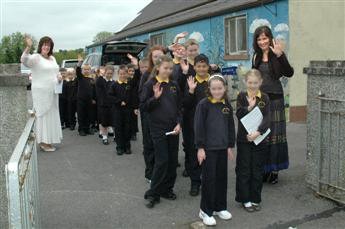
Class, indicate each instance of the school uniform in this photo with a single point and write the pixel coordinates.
(190, 101)
(63, 106)
(250, 157)
(134, 118)
(181, 80)
(94, 112)
(84, 101)
(104, 102)
(164, 114)
(148, 149)
(122, 91)
(214, 132)
(71, 95)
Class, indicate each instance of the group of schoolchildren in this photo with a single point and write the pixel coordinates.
(176, 90)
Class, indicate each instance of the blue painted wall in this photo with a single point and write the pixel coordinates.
(212, 30)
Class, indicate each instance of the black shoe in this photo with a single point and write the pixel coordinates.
(110, 134)
(100, 136)
(89, 132)
(256, 207)
(249, 209)
(151, 201)
(105, 141)
(72, 128)
(265, 177)
(119, 152)
(169, 195)
(185, 173)
(194, 191)
(134, 138)
(82, 133)
(128, 151)
(273, 179)
(63, 127)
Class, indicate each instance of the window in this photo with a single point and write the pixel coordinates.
(157, 39)
(236, 38)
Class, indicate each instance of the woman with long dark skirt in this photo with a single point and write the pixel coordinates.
(270, 59)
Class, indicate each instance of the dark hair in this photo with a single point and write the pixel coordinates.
(154, 48)
(221, 78)
(122, 67)
(202, 59)
(131, 66)
(45, 40)
(161, 60)
(257, 50)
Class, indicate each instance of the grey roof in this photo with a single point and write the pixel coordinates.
(160, 14)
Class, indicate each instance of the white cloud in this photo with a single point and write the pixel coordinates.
(282, 27)
(257, 23)
(71, 24)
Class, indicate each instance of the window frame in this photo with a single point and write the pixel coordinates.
(239, 54)
(155, 36)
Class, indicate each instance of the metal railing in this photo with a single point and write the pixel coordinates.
(22, 182)
(331, 177)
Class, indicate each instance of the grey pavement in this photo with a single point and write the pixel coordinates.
(86, 185)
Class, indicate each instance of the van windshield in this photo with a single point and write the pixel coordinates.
(115, 59)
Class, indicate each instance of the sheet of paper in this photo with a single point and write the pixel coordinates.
(251, 123)
(260, 138)
(58, 88)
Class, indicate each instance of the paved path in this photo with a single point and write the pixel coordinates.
(86, 185)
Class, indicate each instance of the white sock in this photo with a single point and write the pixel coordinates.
(248, 204)
(104, 137)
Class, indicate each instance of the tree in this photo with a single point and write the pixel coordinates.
(102, 36)
(12, 46)
(68, 54)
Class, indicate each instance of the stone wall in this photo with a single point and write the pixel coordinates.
(326, 128)
(13, 117)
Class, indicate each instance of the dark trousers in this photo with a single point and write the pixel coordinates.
(149, 153)
(72, 109)
(63, 111)
(121, 120)
(249, 172)
(214, 181)
(93, 116)
(164, 171)
(185, 136)
(191, 163)
(134, 123)
(84, 116)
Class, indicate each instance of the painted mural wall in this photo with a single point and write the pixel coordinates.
(210, 33)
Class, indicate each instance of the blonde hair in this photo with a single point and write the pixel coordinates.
(108, 68)
(191, 42)
(253, 72)
(160, 60)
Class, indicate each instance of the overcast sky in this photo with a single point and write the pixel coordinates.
(71, 23)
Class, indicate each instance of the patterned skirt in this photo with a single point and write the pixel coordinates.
(278, 156)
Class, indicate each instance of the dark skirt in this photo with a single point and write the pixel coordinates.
(278, 156)
(105, 117)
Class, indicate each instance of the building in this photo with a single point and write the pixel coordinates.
(225, 30)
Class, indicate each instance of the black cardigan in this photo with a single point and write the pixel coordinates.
(278, 66)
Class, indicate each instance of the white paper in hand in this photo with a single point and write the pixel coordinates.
(251, 123)
(58, 87)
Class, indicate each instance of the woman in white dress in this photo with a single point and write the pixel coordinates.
(45, 75)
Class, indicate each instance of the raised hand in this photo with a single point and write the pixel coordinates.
(80, 58)
(180, 36)
(251, 102)
(28, 41)
(157, 90)
(184, 66)
(277, 48)
(191, 84)
(134, 60)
